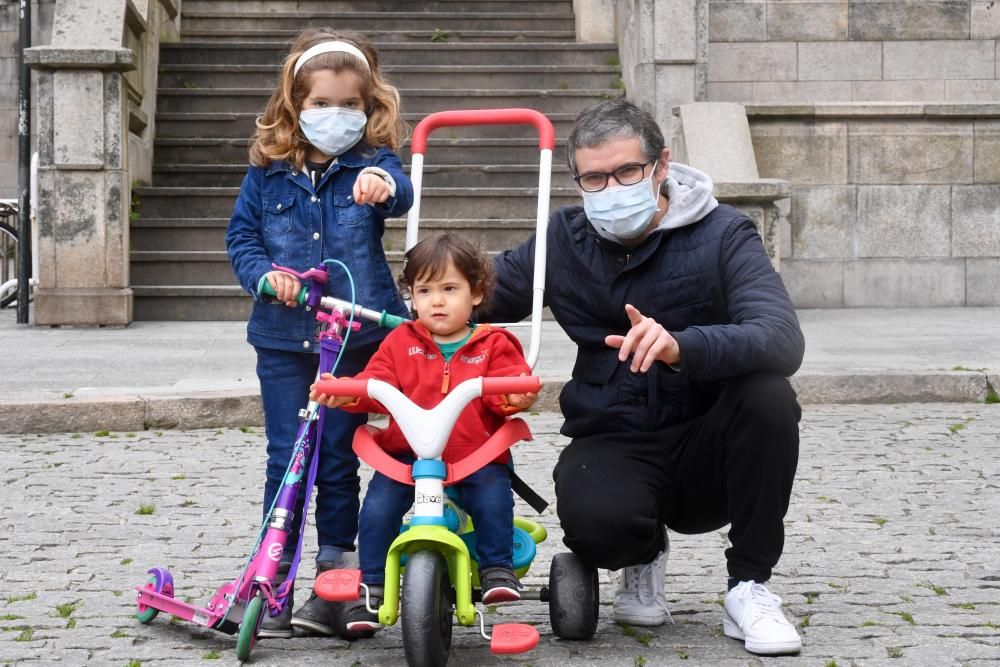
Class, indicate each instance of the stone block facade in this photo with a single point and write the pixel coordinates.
(892, 205)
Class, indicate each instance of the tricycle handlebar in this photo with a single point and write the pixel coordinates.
(525, 384)
(343, 387)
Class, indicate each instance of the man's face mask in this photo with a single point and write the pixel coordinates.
(333, 130)
(622, 211)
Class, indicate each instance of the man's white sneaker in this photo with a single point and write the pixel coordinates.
(752, 613)
(640, 599)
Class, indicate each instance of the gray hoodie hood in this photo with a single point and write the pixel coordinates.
(690, 194)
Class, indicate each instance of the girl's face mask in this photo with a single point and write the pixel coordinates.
(622, 211)
(333, 130)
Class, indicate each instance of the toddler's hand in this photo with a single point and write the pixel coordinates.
(329, 401)
(521, 401)
(370, 189)
(286, 287)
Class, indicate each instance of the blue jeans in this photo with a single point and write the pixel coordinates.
(485, 495)
(284, 388)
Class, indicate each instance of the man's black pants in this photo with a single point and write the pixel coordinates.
(735, 464)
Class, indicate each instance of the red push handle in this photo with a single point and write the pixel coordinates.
(546, 133)
(524, 384)
(343, 387)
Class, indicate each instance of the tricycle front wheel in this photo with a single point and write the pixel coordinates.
(426, 610)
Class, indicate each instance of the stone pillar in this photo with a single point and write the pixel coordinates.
(595, 20)
(83, 181)
(664, 53)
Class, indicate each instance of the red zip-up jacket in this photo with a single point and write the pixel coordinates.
(411, 361)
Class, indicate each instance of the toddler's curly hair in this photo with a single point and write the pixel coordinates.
(428, 260)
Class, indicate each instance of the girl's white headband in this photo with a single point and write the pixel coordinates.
(329, 47)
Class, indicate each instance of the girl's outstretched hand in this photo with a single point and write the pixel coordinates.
(329, 401)
(370, 189)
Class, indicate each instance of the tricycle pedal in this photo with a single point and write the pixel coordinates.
(338, 585)
(513, 638)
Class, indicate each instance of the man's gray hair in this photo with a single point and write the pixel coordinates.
(614, 119)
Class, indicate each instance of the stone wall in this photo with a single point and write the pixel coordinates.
(892, 205)
(764, 51)
(41, 28)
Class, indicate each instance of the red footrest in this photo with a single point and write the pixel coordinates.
(513, 638)
(338, 585)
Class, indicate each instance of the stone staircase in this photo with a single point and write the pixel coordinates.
(451, 54)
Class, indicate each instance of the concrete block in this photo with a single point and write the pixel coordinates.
(972, 91)
(806, 20)
(840, 61)
(903, 221)
(675, 84)
(715, 137)
(79, 213)
(803, 154)
(594, 20)
(985, 19)
(745, 61)
(218, 410)
(908, 19)
(986, 161)
(975, 221)
(900, 151)
(78, 119)
(83, 307)
(904, 283)
(982, 275)
(737, 21)
(814, 283)
(939, 60)
(801, 92)
(114, 413)
(823, 221)
(897, 91)
(741, 93)
(890, 387)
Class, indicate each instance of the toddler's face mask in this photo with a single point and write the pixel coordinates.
(333, 130)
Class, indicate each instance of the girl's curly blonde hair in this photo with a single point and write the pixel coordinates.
(278, 136)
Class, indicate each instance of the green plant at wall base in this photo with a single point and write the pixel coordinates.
(612, 60)
(439, 35)
(639, 661)
(991, 395)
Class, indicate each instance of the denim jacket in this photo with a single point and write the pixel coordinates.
(279, 217)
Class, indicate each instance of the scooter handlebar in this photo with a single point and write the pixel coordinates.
(343, 387)
(524, 384)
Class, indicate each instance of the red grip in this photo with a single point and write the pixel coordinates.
(524, 384)
(343, 387)
(546, 133)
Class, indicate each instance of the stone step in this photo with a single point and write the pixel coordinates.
(204, 267)
(400, 53)
(439, 151)
(451, 203)
(441, 24)
(559, 77)
(441, 176)
(191, 303)
(381, 6)
(201, 234)
(415, 100)
(237, 125)
(285, 37)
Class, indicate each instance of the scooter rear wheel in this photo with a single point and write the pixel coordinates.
(427, 610)
(159, 582)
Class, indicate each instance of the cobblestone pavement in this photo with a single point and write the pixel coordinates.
(891, 552)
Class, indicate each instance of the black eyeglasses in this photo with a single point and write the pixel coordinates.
(627, 174)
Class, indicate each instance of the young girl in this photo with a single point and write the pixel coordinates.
(322, 180)
(449, 279)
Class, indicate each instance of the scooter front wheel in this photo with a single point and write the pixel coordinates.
(427, 610)
(247, 636)
(161, 581)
